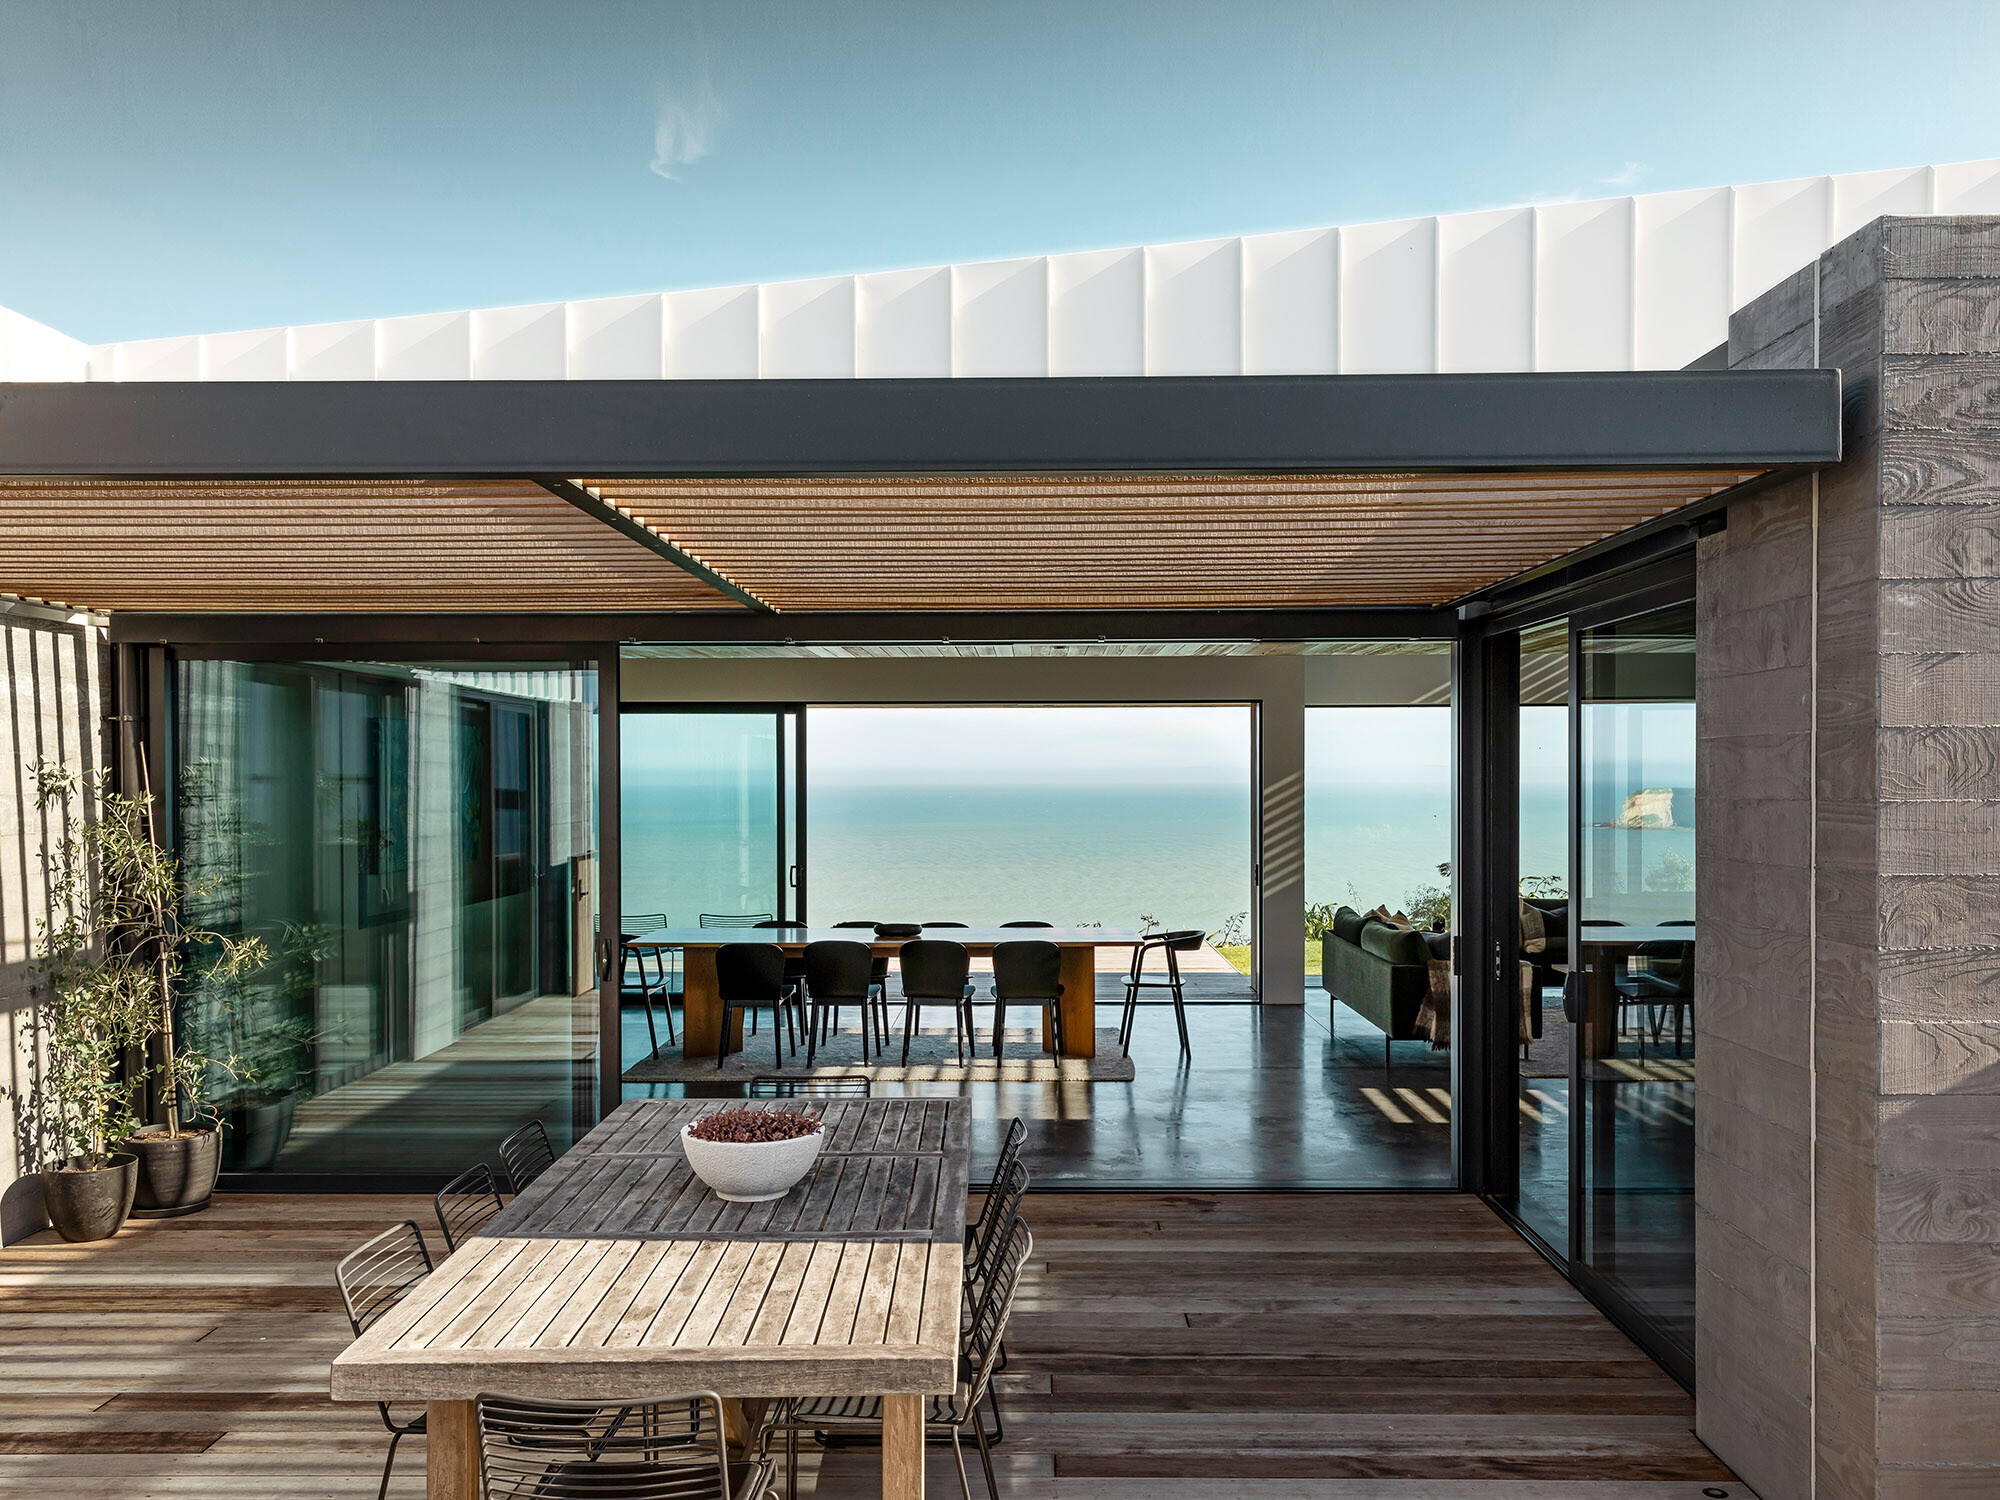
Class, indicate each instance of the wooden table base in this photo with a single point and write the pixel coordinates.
(902, 1448)
(451, 1451)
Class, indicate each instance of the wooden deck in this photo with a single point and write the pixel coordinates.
(1166, 1348)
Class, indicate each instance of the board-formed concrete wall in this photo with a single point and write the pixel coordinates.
(1848, 1089)
(53, 671)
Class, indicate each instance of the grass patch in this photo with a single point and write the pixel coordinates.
(1238, 955)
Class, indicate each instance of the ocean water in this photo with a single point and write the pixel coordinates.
(1065, 854)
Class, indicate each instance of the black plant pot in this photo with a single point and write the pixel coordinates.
(176, 1173)
(256, 1133)
(89, 1203)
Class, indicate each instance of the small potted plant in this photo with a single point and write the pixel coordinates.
(114, 951)
(752, 1155)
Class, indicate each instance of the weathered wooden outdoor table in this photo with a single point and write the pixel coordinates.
(701, 997)
(618, 1276)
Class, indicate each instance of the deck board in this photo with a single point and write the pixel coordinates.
(1344, 1373)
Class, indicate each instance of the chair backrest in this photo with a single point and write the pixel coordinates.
(750, 972)
(1010, 1151)
(466, 1203)
(733, 918)
(1029, 969)
(1003, 1203)
(774, 922)
(1027, 924)
(671, 1448)
(838, 970)
(375, 1276)
(1184, 940)
(527, 1154)
(838, 1086)
(871, 926)
(980, 1343)
(638, 924)
(934, 969)
(959, 925)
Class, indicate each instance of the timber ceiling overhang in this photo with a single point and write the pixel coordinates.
(1241, 493)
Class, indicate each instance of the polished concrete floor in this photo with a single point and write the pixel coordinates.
(1271, 1097)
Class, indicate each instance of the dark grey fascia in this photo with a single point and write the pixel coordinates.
(578, 429)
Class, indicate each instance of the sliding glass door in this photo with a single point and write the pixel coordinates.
(713, 827)
(1592, 1005)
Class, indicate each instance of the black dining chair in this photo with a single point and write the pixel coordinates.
(837, 972)
(669, 1448)
(934, 971)
(373, 1278)
(1026, 972)
(1170, 945)
(1027, 924)
(795, 970)
(527, 1154)
(750, 975)
(927, 925)
(465, 1204)
(878, 975)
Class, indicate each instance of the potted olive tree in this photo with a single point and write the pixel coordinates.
(114, 951)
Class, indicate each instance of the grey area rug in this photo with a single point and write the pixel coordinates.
(933, 1059)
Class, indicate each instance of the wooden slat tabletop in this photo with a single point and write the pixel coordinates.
(617, 1272)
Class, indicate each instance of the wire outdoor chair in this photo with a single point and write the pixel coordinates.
(944, 1416)
(373, 1278)
(1170, 945)
(656, 981)
(527, 1154)
(466, 1203)
(733, 919)
(840, 1086)
(1027, 972)
(671, 1448)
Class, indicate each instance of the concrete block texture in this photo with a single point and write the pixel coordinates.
(1886, 570)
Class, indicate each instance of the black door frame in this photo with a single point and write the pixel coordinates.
(1488, 697)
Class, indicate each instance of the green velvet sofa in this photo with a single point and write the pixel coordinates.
(1379, 972)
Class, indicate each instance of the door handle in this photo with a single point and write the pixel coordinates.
(792, 877)
(1572, 1006)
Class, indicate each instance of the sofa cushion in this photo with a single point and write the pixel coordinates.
(1398, 945)
(1347, 925)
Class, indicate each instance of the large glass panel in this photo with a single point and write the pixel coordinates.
(413, 846)
(1637, 937)
(1542, 1036)
(1378, 840)
(702, 816)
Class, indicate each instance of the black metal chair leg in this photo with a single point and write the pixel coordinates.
(985, 1460)
(909, 1019)
(394, 1438)
(993, 1400)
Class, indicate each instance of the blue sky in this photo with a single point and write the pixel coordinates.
(222, 164)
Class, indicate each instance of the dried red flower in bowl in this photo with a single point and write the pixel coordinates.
(747, 1125)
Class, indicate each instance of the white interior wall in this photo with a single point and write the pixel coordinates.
(1637, 282)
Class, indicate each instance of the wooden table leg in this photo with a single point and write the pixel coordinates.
(1079, 1005)
(701, 1007)
(902, 1448)
(451, 1451)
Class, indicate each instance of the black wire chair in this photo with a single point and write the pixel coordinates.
(527, 1154)
(465, 1205)
(1170, 945)
(840, 1086)
(1003, 1166)
(750, 975)
(632, 962)
(733, 918)
(1027, 972)
(934, 973)
(983, 1241)
(944, 1416)
(837, 972)
(373, 1278)
(672, 1448)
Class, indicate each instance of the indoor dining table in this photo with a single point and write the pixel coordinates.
(701, 1000)
(618, 1276)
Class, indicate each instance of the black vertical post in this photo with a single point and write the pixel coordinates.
(610, 905)
(799, 812)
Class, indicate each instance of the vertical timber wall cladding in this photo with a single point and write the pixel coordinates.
(1848, 1181)
(53, 670)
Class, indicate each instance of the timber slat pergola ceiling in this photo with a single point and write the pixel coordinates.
(1030, 542)
(1133, 541)
(378, 545)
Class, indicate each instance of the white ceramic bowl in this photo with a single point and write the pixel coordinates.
(751, 1171)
